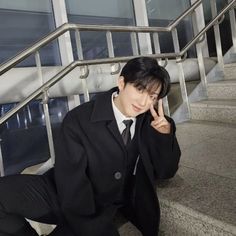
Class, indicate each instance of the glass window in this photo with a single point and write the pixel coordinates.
(162, 13)
(112, 12)
(225, 31)
(24, 140)
(22, 23)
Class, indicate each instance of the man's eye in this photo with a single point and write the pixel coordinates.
(140, 90)
(153, 97)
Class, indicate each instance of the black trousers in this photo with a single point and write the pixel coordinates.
(34, 197)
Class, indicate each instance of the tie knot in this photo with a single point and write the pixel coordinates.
(128, 123)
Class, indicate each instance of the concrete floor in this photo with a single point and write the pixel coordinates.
(205, 184)
(209, 147)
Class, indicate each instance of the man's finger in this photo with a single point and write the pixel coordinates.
(153, 112)
(160, 108)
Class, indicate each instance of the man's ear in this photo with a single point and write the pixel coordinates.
(121, 83)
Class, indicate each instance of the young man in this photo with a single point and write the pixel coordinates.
(104, 165)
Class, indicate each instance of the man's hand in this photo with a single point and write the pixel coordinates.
(160, 123)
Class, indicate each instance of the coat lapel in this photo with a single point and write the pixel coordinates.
(103, 103)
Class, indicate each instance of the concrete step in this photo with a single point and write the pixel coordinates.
(214, 110)
(200, 199)
(193, 203)
(223, 89)
(230, 71)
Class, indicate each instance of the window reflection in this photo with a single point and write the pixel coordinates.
(26, 22)
(111, 12)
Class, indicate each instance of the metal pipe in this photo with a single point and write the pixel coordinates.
(200, 57)
(48, 127)
(4, 67)
(64, 72)
(233, 26)
(173, 24)
(134, 43)
(38, 92)
(46, 109)
(207, 27)
(74, 64)
(217, 35)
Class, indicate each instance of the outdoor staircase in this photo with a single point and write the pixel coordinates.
(221, 103)
(201, 199)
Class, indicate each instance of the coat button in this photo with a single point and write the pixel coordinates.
(117, 175)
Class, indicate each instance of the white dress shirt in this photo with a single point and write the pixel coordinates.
(120, 117)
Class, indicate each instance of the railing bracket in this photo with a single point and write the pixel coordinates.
(202, 38)
(45, 96)
(181, 59)
(220, 20)
(84, 72)
(117, 71)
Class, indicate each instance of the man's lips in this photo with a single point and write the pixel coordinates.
(137, 109)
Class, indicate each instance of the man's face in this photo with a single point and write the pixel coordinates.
(133, 101)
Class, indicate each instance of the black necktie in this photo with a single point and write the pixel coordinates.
(126, 135)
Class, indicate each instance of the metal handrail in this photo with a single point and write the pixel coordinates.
(75, 64)
(61, 74)
(4, 67)
(207, 27)
(174, 23)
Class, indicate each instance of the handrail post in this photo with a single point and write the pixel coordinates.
(175, 40)
(186, 106)
(48, 126)
(200, 58)
(134, 43)
(84, 70)
(217, 37)
(111, 53)
(157, 50)
(46, 110)
(232, 25)
(182, 83)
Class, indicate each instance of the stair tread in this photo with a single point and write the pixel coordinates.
(216, 103)
(223, 82)
(206, 179)
(204, 195)
(229, 65)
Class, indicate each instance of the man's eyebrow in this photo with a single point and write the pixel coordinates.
(154, 93)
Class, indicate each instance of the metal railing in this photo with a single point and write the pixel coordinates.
(179, 55)
(6, 66)
(67, 27)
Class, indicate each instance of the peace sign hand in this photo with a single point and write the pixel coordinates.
(160, 123)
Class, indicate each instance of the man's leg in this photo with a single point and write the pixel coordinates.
(26, 196)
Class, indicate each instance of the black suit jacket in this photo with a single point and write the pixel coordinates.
(90, 151)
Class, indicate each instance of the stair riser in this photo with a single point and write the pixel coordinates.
(230, 73)
(219, 114)
(222, 92)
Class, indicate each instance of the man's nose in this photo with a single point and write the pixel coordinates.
(143, 100)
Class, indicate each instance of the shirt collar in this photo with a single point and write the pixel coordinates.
(117, 113)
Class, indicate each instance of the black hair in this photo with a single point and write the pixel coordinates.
(145, 74)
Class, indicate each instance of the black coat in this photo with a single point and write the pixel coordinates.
(89, 153)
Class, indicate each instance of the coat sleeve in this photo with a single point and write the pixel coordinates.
(163, 150)
(73, 185)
